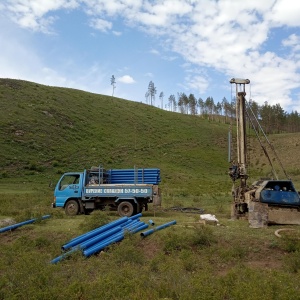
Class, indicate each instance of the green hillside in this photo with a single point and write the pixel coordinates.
(49, 130)
(46, 131)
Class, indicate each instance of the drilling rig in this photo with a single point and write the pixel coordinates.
(265, 201)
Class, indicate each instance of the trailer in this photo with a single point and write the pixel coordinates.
(128, 191)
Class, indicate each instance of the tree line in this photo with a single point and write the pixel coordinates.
(272, 118)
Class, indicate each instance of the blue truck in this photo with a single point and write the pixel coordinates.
(129, 191)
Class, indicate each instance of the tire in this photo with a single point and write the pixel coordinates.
(72, 208)
(125, 209)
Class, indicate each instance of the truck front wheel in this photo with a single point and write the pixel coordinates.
(72, 208)
(125, 209)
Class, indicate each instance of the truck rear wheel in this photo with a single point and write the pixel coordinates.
(125, 209)
(72, 208)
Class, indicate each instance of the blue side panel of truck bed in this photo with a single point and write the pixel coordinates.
(133, 176)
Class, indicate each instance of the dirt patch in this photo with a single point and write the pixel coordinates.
(150, 247)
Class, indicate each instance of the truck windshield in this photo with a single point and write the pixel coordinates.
(67, 180)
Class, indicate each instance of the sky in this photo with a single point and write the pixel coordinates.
(182, 46)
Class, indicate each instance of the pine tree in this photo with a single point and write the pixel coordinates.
(152, 92)
(113, 83)
(161, 97)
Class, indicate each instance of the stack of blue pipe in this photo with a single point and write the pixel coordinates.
(134, 176)
(94, 241)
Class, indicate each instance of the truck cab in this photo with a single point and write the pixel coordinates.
(69, 189)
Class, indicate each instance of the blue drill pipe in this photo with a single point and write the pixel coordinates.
(130, 225)
(99, 238)
(165, 225)
(121, 221)
(151, 222)
(139, 228)
(148, 232)
(94, 240)
(11, 227)
(109, 225)
(93, 233)
(88, 248)
(136, 225)
(59, 258)
(113, 239)
(135, 216)
(98, 247)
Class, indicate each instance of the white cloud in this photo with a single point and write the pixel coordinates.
(126, 79)
(198, 83)
(100, 24)
(149, 74)
(165, 57)
(32, 14)
(117, 33)
(293, 41)
(154, 51)
(170, 58)
(285, 12)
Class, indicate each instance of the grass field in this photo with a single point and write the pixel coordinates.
(186, 261)
(46, 131)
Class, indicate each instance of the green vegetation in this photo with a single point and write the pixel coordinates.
(46, 131)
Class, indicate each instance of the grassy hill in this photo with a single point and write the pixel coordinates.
(49, 130)
(45, 131)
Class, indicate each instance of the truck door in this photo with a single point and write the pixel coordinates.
(68, 187)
